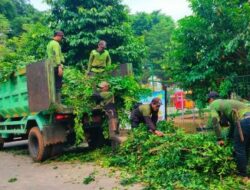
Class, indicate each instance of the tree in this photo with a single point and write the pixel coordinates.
(156, 29)
(141, 22)
(18, 12)
(8, 9)
(16, 52)
(158, 38)
(4, 28)
(86, 22)
(211, 47)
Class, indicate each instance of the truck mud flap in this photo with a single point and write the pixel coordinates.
(54, 135)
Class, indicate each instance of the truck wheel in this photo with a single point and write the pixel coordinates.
(36, 146)
(1, 143)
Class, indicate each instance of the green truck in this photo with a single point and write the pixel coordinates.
(28, 111)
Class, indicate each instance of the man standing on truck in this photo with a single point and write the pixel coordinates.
(99, 59)
(148, 114)
(238, 115)
(56, 60)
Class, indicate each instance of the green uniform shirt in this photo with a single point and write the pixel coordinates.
(145, 114)
(108, 97)
(145, 110)
(54, 53)
(98, 61)
(226, 108)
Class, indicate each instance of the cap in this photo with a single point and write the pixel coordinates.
(213, 95)
(58, 33)
(103, 84)
(156, 101)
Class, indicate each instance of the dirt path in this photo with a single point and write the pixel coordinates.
(19, 172)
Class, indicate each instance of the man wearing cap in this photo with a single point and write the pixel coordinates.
(55, 61)
(148, 114)
(99, 59)
(238, 115)
(107, 104)
(107, 96)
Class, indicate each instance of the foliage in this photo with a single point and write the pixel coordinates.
(12, 180)
(86, 22)
(33, 41)
(225, 88)
(22, 39)
(157, 41)
(210, 46)
(4, 28)
(144, 22)
(78, 90)
(89, 179)
(158, 38)
(175, 161)
(18, 12)
(29, 47)
(11, 62)
(156, 30)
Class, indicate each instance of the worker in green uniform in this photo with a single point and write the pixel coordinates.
(99, 59)
(55, 63)
(238, 115)
(148, 114)
(107, 103)
(106, 94)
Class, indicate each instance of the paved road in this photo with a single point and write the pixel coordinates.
(19, 172)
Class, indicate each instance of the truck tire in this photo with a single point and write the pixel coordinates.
(37, 150)
(1, 143)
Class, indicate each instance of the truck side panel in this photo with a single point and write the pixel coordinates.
(14, 96)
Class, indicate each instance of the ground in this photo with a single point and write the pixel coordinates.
(18, 171)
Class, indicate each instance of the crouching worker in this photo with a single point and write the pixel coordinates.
(148, 114)
(107, 104)
(238, 115)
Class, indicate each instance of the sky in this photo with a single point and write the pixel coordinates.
(175, 8)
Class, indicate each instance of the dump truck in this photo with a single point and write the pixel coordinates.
(28, 111)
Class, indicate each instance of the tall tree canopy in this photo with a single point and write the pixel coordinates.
(18, 12)
(210, 47)
(156, 29)
(24, 34)
(86, 22)
(4, 28)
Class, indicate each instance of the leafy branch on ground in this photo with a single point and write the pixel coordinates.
(12, 180)
(176, 161)
(87, 180)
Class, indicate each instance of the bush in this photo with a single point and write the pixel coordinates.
(176, 161)
(79, 87)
